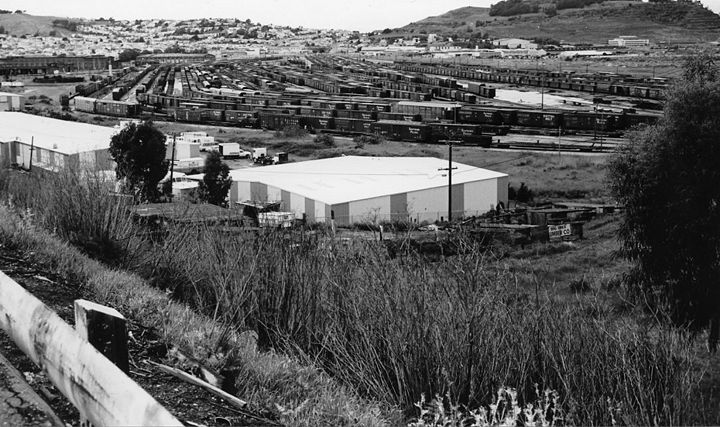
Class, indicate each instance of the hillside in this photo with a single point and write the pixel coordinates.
(668, 22)
(22, 24)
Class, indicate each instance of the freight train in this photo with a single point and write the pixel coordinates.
(489, 119)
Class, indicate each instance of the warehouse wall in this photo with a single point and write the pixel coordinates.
(274, 194)
(481, 196)
(428, 204)
(258, 191)
(458, 200)
(309, 209)
(297, 204)
(5, 153)
(399, 207)
(502, 190)
(377, 208)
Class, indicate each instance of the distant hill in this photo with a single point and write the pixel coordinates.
(22, 24)
(596, 23)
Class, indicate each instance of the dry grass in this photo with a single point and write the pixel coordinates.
(387, 329)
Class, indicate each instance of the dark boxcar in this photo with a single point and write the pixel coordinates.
(352, 125)
(403, 131)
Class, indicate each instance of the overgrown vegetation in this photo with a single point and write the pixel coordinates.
(667, 178)
(512, 8)
(393, 329)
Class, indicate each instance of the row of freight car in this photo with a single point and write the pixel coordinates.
(89, 88)
(598, 83)
(496, 119)
(389, 129)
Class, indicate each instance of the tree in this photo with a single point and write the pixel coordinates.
(667, 178)
(128, 55)
(139, 152)
(216, 182)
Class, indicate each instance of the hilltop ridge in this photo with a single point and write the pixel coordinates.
(670, 22)
(20, 24)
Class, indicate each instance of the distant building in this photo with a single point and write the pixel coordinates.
(174, 58)
(356, 189)
(11, 102)
(49, 64)
(628, 41)
(52, 144)
(515, 44)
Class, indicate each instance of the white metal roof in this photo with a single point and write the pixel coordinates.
(348, 178)
(52, 134)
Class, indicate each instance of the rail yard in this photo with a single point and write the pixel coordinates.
(403, 101)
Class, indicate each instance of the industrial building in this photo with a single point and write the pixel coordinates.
(355, 189)
(49, 64)
(173, 58)
(11, 101)
(628, 41)
(35, 141)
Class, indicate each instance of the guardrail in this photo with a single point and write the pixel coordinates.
(101, 392)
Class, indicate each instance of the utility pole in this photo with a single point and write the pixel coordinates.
(32, 148)
(172, 166)
(449, 170)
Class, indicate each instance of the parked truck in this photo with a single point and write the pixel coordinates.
(229, 150)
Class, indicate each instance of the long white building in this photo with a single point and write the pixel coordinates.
(36, 141)
(354, 189)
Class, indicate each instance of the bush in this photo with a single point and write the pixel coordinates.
(325, 139)
(361, 140)
(291, 132)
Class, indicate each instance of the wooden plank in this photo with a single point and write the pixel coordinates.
(105, 329)
(238, 403)
(100, 391)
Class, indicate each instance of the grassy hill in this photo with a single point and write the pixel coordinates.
(22, 24)
(670, 22)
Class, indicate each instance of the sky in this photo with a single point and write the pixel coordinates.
(361, 15)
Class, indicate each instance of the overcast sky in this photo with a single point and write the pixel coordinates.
(363, 15)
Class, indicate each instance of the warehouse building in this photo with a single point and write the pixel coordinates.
(48, 64)
(174, 58)
(354, 189)
(35, 141)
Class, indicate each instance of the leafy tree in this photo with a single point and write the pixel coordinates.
(216, 182)
(139, 152)
(128, 55)
(668, 181)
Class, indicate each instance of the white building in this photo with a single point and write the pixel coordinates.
(628, 41)
(36, 141)
(354, 189)
(515, 43)
(11, 101)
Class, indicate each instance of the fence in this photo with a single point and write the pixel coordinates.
(100, 390)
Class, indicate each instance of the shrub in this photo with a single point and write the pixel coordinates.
(361, 140)
(325, 139)
(291, 132)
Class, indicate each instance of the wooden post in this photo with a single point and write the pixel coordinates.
(100, 391)
(105, 329)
